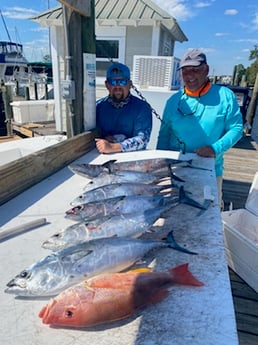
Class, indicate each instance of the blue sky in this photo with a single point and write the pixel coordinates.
(225, 29)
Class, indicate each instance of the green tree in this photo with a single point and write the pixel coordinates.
(252, 70)
(254, 53)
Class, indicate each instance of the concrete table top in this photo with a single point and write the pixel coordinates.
(189, 315)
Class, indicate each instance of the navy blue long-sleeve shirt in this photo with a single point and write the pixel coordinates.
(132, 122)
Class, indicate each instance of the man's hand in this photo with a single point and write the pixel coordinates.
(104, 146)
(205, 151)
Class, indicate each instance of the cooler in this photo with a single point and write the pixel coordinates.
(241, 237)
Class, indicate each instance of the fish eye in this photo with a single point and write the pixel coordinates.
(56, 235)
(68, 313)
(25, 274)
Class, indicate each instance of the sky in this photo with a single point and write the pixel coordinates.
(225, 29)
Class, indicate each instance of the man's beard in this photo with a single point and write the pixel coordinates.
(119, 103)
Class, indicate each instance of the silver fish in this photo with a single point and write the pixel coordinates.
(118, 205)
(143, 165)
(119, 189)
(66, 267)
(121, 177)
(123, 225)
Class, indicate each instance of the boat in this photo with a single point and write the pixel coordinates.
(18, 72)
(13, 64)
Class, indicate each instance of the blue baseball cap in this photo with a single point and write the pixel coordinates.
(118, 70)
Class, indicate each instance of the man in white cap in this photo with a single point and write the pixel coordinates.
(202, 117)
(125, 120)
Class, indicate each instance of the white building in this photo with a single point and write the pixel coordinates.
(123, 28)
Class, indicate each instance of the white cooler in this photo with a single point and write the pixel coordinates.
(241, 237)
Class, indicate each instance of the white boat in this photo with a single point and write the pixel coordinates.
(13, 64)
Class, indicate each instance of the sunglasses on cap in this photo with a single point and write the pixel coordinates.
(118, 82)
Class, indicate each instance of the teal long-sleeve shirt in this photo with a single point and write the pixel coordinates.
(213, 119)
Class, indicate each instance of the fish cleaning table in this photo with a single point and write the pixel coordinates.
(189, 315)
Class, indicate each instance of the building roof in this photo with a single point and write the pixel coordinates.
(121, 13)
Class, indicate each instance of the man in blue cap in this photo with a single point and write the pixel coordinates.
(125, 120)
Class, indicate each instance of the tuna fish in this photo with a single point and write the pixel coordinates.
(123, 225)
(142, 165)
(111, 297)
(117, 206)
(128, 204)
(57, 271)
(124, 176)
(119, 189)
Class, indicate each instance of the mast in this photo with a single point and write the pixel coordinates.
(5, 26)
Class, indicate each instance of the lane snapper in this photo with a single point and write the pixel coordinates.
(64, 268)
(112, 297)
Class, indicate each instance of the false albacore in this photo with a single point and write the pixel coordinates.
(120, 189)
(128, 204)
(118, 205)
(124, 176)
(142, 165)
(123, 225)
(59, 270)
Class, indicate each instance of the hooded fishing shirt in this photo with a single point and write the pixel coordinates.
(211, 119)
(129, 121)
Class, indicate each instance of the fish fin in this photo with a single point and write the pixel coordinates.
(182, 275)
(110, 165)
(184, 199)
(141, 270)
(173, 244)
(175, 177)
(42, 311)
(111, 161)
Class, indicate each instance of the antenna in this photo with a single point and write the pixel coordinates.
(5, 27)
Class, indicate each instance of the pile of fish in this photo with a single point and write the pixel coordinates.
(121, 202)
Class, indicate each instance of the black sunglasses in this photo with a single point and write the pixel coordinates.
(118, 82)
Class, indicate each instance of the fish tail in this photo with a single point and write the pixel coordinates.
(184, 199)
(173, 244)
(110, 165)
(175, 177)
(181, 275)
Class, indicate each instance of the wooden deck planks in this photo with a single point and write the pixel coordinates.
(241, 163)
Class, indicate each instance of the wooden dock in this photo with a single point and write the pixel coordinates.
(241, 163)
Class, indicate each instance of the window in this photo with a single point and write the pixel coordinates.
(107, 49)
